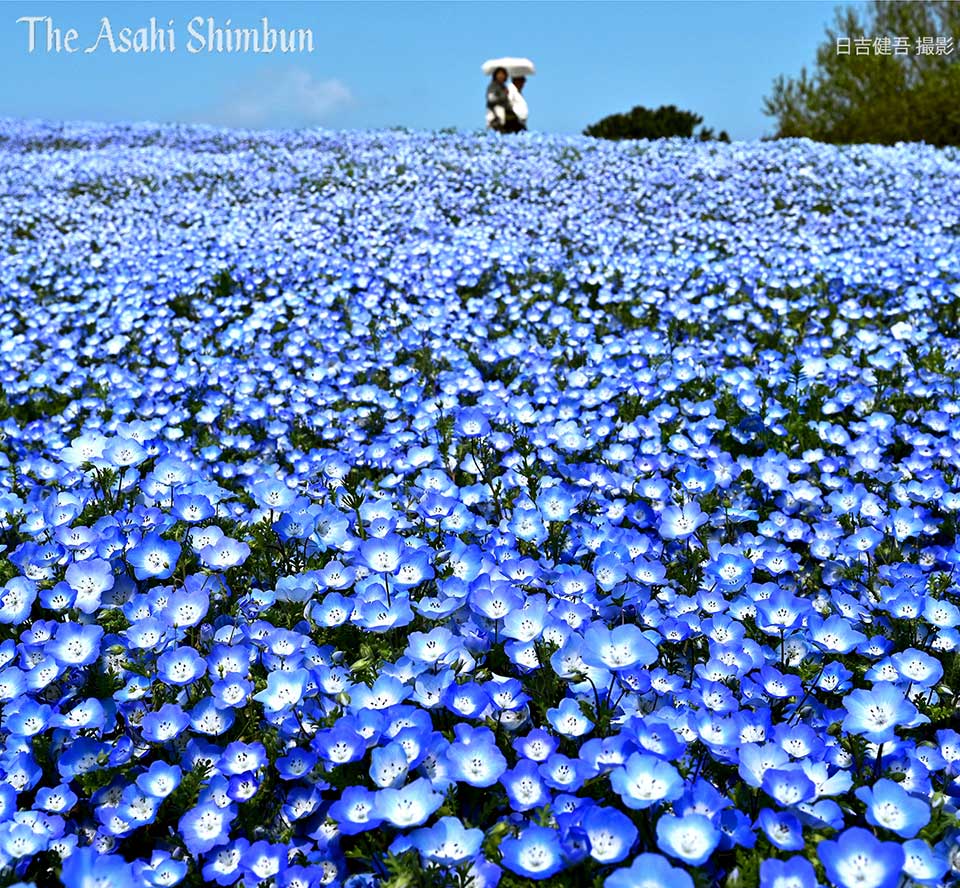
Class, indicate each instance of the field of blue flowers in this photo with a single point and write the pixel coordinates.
(391, 509)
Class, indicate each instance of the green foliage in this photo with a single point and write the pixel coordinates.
(664, 122)
(877, 97)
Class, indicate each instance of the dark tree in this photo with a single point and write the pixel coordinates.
(885, 96)
(643, 123)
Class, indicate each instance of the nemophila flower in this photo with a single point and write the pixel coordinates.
(376, 616)
(940, 613)
(781, 611)
(889, 805)
(555, 503)
(702, 797)
(181, 666)
(788, 786)
(474, 757)
(802, 742)
(566, 774)
(44, 670)
(89, 579)
(333, 610)
(736, 830)
(527, 622)
(505, 693)
(494, 601)
(681, 522)
(57, 800)
(415, 568)
(224, 554)
(535, 854)
(447, 842)
(385, 692)
(471, 423)
(780, 685)
(87, 868)
(284, 690)
(136, 806)
(525, 789)
(205, 826)
(23, 773)
(609, 571)
(573, 583)
(165, 724)
(645, 780)
(186, 608)
(834, 634)
(622, 647)
(537, 745)
(241, 758)
(163, 870)
(154, 557)
(263, 860)
(795, 872)
(123, 453)
(192, 508)
(330, 530)
(76, 644)
(468, 700)
(857, 859)
(756, 759)
(272, 494)
(336, 575)
(201, 537)
(649, 871)
(13, 682)
(17, 596)
(696, 480)
(222, 864)
(527, 525)
(782, 828)
(59, 597)
(924, 864)
(83, 449)
(160, 779)
(835, 678)
(568, 719)
(409, 806)
(382, 554)
(301, 801)
(26, 717)
(917, 667)
(876, 713)
(149, 633)
(691, 838)
(231, 659)
(647, 571)
(388, 765)
(8, 801)
(354, 811)
(610, 834)
(17, 840)
(729, 568)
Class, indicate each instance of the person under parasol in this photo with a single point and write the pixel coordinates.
(507, 109)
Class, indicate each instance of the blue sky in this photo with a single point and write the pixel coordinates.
(418, 64)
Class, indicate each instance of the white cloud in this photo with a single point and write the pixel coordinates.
(283, 97)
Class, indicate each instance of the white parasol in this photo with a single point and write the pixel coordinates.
(515, 67)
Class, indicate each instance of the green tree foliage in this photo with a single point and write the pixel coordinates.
(645, 123)
(881, 98)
